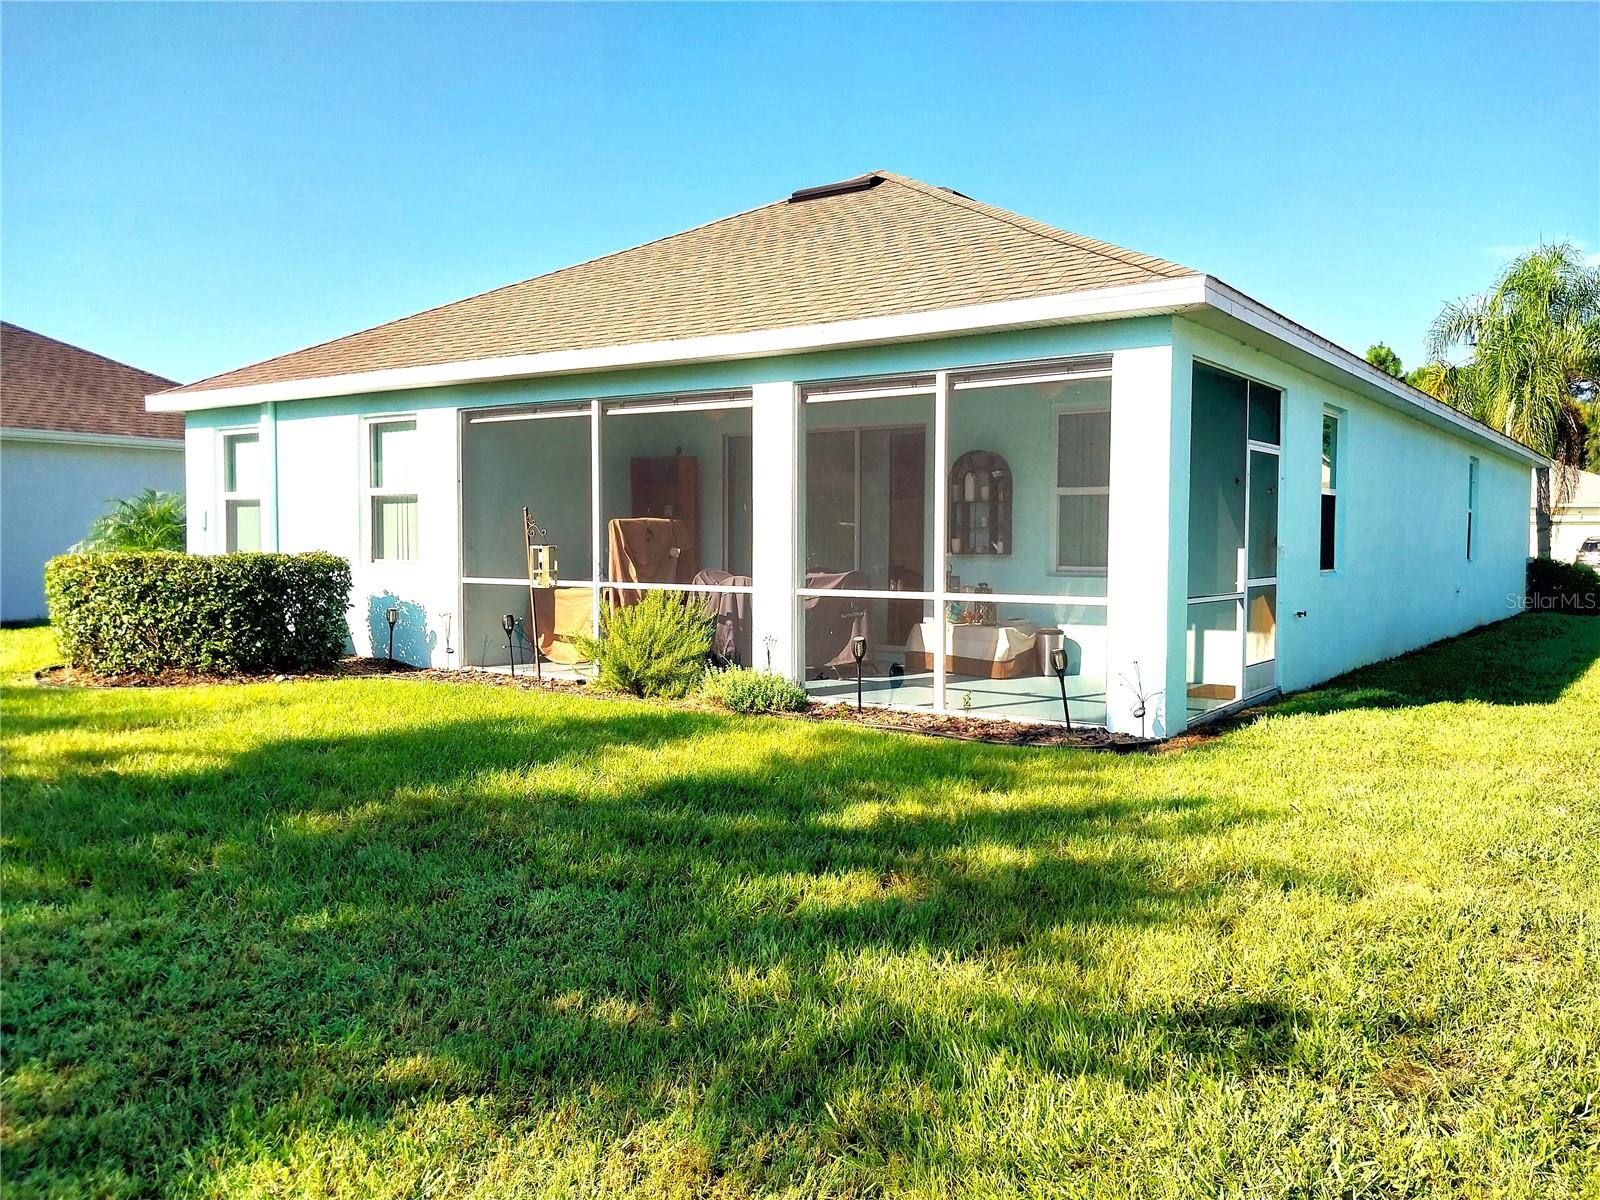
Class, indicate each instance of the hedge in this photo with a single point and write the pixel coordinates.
(1563, 587)
(147, 612)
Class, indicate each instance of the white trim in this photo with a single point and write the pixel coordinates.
(1190, 292)
(549, 414)
(69, 437)
(624, 408)
(709, 589)
(941, 534)
(1140, 299)
(501, 581)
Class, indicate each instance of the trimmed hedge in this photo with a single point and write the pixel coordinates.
(144, 613)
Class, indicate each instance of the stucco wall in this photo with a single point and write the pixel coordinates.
(1403, 578)
(50, 492)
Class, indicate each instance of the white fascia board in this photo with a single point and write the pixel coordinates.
(1143, 299)
(1394, 392)
(70, 437)
(1185, 294)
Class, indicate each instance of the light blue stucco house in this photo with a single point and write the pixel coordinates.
(881, 417)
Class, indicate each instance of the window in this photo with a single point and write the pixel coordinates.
(1083, 490)
(1472, 504)
(1330, 490)
(241, 490)
(391, 490)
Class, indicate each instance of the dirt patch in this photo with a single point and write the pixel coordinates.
(65, 676)
(978, 729)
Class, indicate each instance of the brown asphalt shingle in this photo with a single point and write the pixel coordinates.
(897, 247)
(46, 384)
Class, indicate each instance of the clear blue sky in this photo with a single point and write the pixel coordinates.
(191, 188)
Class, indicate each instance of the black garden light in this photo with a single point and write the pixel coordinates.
(391, 616)
(509, 624)
(1058, 664)
(858, 651)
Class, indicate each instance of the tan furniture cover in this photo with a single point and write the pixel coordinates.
(986, 651)
(643, 550)
(564, 613)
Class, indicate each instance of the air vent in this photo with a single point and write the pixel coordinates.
(859, 184)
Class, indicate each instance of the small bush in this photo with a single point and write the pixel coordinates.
(657, 647)
(749, 691)
(140, 614)
(1563, 587)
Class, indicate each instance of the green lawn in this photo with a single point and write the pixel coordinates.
(392, 937)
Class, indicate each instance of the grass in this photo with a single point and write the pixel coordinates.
(398, 938)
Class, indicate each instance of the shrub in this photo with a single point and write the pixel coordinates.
(657, 647)
(151, 520)
(140, 614)
(749, 691)
(1563, 587)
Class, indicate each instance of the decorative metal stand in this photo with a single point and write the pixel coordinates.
(541, 574)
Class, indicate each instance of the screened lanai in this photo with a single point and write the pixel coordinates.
(635, 495)
(951, 527)
(964, 551)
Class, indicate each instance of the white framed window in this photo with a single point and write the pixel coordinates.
(393, 451)
(241, 490)
(1328, 553)
(1082, 490)
(1472, 507)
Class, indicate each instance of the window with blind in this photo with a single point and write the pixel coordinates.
(392, 490)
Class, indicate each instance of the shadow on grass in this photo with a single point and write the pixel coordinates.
(1528, 659)
(615, 911)
(822, 940)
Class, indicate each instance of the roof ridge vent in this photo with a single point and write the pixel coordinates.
(859, 184)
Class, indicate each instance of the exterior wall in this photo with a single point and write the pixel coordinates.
(1403, 578)
(51, 491)
(315, 456)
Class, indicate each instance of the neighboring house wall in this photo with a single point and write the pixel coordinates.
(52, 487)
(1402, 579)
(1576, 520)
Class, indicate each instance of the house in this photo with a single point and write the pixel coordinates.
(1573, 519)
(74, 435)
(880, 417)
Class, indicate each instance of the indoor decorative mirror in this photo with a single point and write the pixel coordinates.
(980, 504)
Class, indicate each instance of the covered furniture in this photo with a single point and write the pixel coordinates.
(564, 614)
(833, 622)
(983, 651)
(730, 639)
(644, 550)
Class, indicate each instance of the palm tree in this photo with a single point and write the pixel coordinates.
(151, 520)
(1534, 339)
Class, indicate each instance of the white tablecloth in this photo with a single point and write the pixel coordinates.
(987, 643)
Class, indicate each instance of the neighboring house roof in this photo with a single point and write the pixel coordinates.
(876, 246)
(46, 385)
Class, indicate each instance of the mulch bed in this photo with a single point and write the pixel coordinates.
(347, 668)
(960, 728)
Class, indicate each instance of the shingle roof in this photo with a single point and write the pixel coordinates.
(49, 385)
(887, 246)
